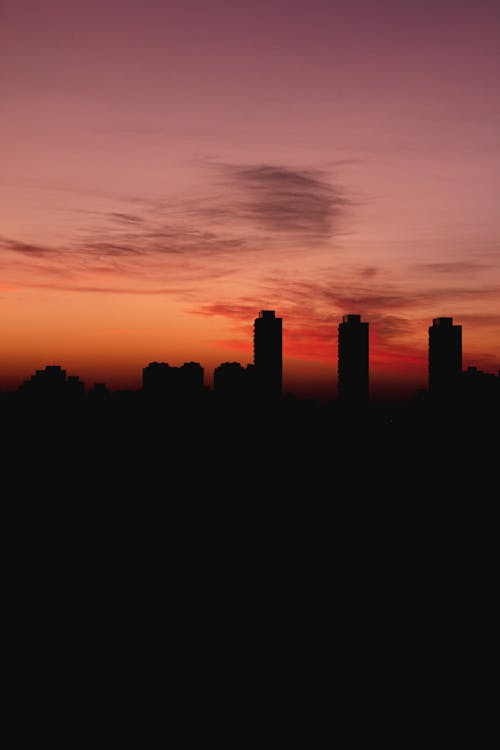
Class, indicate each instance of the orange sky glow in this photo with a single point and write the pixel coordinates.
(171, 169)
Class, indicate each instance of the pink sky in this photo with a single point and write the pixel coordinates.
(168, 169)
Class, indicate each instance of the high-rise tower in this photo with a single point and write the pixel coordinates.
(445, 356)
(353, 370)
(268, 354)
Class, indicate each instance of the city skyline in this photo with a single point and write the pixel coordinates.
(352, 368)
(169, 169)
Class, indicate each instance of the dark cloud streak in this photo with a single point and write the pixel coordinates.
(453, 267)
(281, 199)
(28, 249)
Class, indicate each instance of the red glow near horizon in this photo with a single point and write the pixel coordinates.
(168, 170)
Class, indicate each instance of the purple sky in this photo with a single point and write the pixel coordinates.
(205, 160)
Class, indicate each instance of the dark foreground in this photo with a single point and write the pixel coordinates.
(243, 571)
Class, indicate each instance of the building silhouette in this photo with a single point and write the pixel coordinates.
(268, 354)
(353, 361)
(52, 383)
(191, 378)
(445, 357)
(177, 389)
(479, 388)
(157, 379)
(161, 380)
(233, 382)
(99, 392)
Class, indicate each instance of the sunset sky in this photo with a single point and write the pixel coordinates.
(169, 168)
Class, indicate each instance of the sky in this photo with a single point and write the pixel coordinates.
(169, 168)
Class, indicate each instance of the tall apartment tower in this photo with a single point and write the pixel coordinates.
(268, 354)
(353, 369)
(445, 356)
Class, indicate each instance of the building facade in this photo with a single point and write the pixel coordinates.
(353, 361)
(445, 357)
(268, 354)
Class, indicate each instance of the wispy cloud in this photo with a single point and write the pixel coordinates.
(150, 249)
(103, 289)
(259, 211)
(483, 319)
(126, 218)
(27, 249)
(243, 238)
(453, 268)
(238, 311)
(286, 200)
(395, 309)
